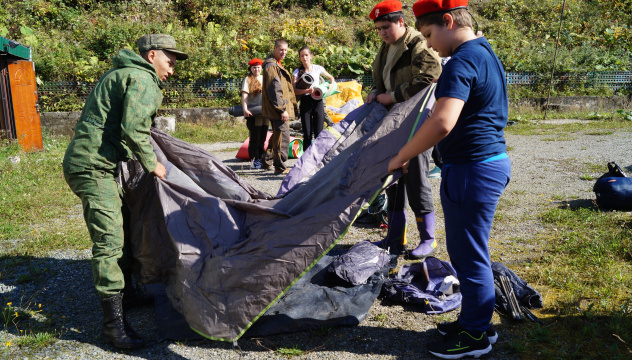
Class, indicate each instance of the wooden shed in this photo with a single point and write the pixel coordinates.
(19, 111)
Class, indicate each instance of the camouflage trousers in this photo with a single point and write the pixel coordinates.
(278, 145)
(107, 219)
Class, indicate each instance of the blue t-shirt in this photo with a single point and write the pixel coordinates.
(475, 75)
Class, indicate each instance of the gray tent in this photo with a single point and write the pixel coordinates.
(225, 251)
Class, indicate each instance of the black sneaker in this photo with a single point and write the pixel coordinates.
(446, 328)
(461, 344)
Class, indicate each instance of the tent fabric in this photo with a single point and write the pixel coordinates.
(313, 302)
(331, 142)
(227, 252)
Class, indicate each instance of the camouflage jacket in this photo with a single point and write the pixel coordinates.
(278, 93)
(116, 118)
(415, 68)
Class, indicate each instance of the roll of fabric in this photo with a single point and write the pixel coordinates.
(305, 81)
(238, 110)
(325, 89)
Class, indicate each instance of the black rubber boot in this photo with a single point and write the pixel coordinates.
(135, 294)
(116, 330)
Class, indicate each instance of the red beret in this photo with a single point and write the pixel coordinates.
(423, 7)
(254, 62)
(385, 7)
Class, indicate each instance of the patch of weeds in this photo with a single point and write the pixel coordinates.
(599, 132)
(231, 149)
(587, 177)
(290, 352)
(322, 332)
(30, 326)
(14, 314)
(625, 114)
(24, 278)
(514, 346)
(379, 317)
(37, 340)
(596, 168)
(559, 137)
(598, 116)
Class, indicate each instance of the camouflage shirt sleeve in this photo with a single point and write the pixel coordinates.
(425, 67)
(142, 99)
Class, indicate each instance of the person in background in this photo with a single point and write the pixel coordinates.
(115, 126)
(312, 112)
(278, 103)
(468, 124)
(403, 67)
(256, 123)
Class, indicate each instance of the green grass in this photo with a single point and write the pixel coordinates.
(37, 340)
(565, 132)
(226, 130)
(38, 212)
(290, 352)
(584, 272)
(527, 122)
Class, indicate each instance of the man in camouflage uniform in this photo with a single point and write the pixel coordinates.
(115, 126)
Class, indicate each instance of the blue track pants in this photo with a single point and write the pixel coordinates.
(469, 195)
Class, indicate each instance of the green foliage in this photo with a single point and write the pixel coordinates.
(74, 40)
(595, 35)
(626, 114)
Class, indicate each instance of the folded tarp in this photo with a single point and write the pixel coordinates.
(227, 252)
(349, 98)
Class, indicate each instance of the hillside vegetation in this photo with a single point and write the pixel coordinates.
(74, 39)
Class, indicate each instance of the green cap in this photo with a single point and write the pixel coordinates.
(160, 42)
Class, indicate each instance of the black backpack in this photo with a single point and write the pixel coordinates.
(613, 189)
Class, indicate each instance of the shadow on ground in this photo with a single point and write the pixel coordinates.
(70, 307)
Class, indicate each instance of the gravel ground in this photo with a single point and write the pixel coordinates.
(546, 173)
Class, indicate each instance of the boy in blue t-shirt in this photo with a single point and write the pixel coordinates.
(467, 123)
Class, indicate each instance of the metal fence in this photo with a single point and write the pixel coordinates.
(179, 91)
